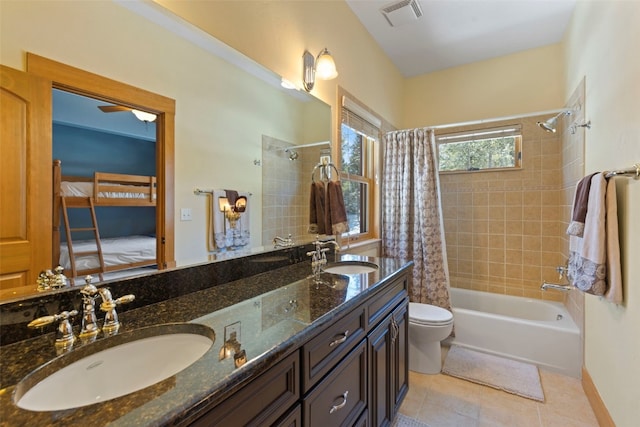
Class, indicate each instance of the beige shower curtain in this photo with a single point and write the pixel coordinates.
(412, 226)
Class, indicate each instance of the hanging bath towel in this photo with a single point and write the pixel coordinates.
(335, 212)
(579, 209)
(317, 208)
(594, 260)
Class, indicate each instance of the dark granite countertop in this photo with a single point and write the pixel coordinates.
(275, 313)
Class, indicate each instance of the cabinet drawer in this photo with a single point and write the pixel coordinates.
(382, 303)
(261, 402)
(341, 397)
(321, 353)
(292, 419)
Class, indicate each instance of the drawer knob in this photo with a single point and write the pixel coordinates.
(335, 408)
(340, 340)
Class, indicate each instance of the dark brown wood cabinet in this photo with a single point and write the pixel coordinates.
(400, 346)
(322, 353)
(292, 419)
(340, 398)
(353, 372)
(262, 402)
(388, 366)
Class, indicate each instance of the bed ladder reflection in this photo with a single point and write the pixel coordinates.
(82, 203)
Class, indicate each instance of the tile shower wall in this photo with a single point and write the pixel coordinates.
(503, 228)
(285, 190)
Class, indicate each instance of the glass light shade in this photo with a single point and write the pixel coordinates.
(223, 204)
(144, 116)
(325, 66)
(241, 204)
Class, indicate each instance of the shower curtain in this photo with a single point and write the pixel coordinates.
(412, 226)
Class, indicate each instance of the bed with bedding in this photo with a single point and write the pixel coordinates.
(101, 190)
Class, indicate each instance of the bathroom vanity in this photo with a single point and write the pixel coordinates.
(289, 350)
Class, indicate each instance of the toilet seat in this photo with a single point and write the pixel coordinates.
(429, 315)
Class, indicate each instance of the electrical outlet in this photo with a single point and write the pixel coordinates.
(185, 214)
(231, 329)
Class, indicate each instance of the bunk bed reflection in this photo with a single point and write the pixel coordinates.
(98, 255)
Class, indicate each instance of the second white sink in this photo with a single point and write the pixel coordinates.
(130, 362)
(350, 267)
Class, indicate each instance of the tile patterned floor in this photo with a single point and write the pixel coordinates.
(443, 401)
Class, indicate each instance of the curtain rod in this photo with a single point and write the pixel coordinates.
(313, 144)
(496, 119)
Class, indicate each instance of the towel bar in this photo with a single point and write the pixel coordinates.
(323, 170)
(631, 172)
(199, 192)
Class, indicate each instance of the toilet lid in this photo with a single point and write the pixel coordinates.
(426, 314)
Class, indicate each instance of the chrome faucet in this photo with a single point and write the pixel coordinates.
(90, 328)
(319, 255)
(281, 242)
(111, 323)
(562, 271)
(64, 334)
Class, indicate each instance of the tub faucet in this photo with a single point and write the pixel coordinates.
(557, 286)
(562, 270)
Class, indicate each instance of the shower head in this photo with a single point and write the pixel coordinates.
(293, 155)
(550, 124)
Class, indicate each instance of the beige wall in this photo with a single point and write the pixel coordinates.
(502, 227)
(520, 83)
(276, 33)
(601, 46)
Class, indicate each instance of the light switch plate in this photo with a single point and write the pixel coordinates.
(185, 214)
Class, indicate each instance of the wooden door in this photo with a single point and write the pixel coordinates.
(25, 181)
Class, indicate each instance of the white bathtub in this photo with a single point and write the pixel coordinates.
(529, 330)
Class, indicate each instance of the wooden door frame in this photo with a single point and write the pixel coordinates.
(25, 248)
(80, 82)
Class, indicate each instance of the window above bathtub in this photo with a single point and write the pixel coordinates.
(497, 148)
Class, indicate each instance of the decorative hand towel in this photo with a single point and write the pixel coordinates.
(594, 260)
(335, 212)
(317, 208)
(579, 209)
(614, 270)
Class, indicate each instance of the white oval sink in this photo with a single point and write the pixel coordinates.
(350, 267)
(113, 367)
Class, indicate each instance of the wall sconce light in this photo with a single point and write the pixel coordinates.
(232, 212)
(232, 346)
(323, 67)
(143, 116)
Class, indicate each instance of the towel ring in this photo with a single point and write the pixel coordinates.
(322, 168)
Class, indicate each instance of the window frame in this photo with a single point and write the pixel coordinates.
(370, 146)
(468, 135)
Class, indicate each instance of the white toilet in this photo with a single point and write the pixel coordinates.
(428, 325)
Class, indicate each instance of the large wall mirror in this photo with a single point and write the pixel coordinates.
(231, 132)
